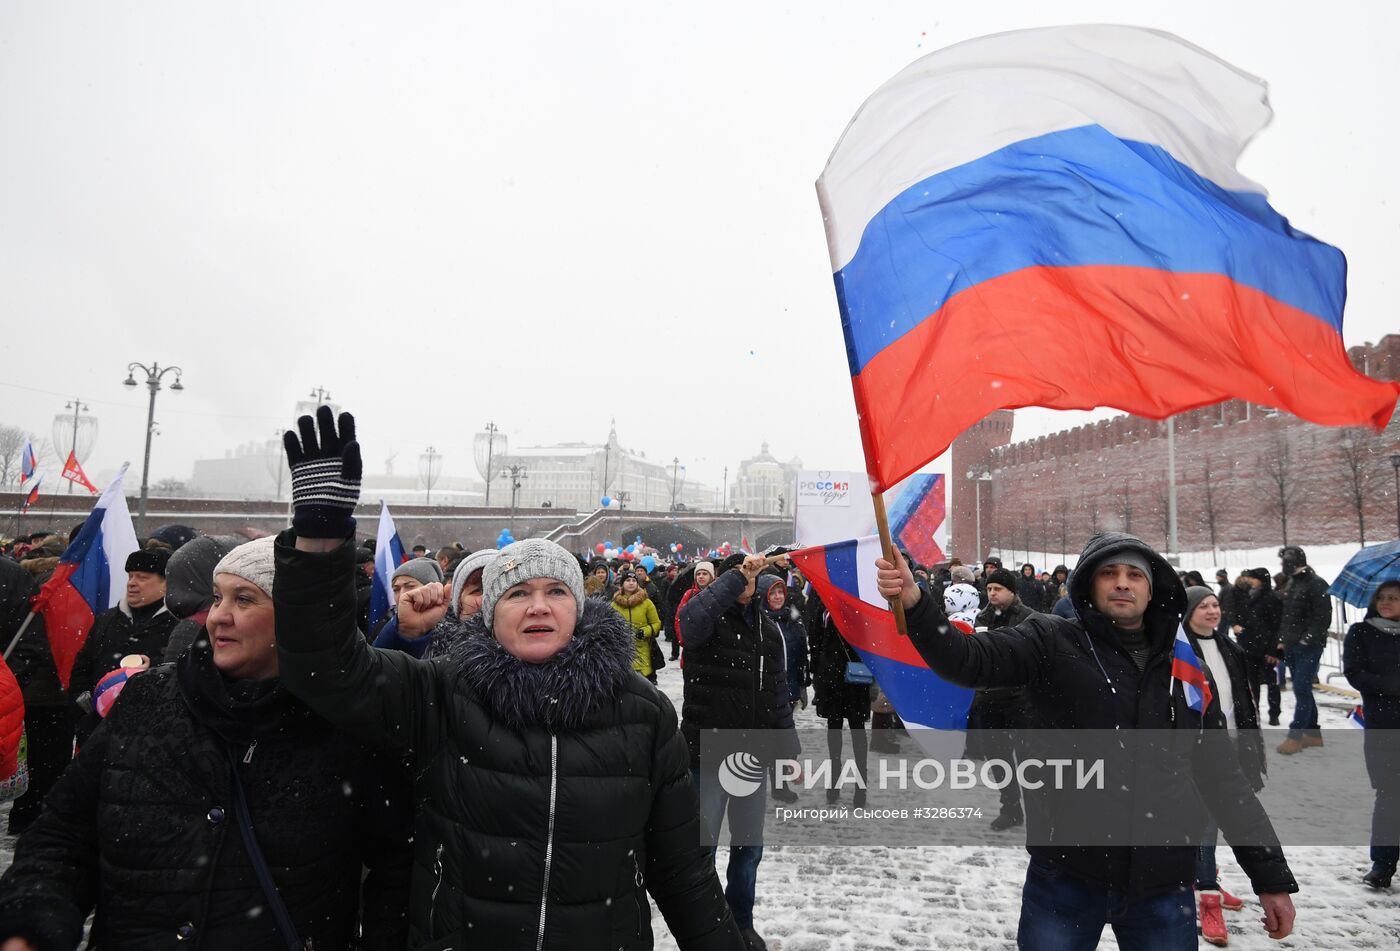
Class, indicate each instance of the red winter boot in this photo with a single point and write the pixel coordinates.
(1212, 921)
(1227, 901)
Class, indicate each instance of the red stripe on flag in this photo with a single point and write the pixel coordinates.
(1142, 340)
(67, 619)
(862, 625)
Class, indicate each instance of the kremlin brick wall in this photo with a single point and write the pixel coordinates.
(1051, 493)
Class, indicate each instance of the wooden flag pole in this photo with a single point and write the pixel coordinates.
(882, 522)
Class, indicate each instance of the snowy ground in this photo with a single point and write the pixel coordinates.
(865, 899)
(871, 899)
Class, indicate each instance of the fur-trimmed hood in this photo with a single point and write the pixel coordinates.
(559, 693)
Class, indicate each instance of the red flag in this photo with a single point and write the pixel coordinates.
(73, 472)
(89, 579)
(32, 496)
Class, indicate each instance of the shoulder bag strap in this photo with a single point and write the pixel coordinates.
(250, 845)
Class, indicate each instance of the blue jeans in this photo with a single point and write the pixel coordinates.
(1302, 663)
(1206, 878)
(1060, 912)
(746, 816)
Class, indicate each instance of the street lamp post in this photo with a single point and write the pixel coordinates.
(76, 406)
(427, 462)
(154, 374)
(978, 478)
(515, 473)
(675, 472)
(491, 430)
(1395, 464)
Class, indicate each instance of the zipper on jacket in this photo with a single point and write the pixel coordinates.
(432, 901)
(248, 756)
(638, 894)
(549, 839)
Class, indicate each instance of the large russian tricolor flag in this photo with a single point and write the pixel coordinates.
(388, 555)
(843, 575)
(1053, 217)
(90, 577)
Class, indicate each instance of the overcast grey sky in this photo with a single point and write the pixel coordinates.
(546, 215)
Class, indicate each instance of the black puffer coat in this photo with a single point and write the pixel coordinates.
(1371, 659)
(734, 673)
(142, 826)
(1307, 610)
(1078, 676)
(835, 698)
(552, 797)
(1257, 612)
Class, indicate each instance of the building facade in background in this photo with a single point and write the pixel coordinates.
(1247, 477)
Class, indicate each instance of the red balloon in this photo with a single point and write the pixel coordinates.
(599, 548)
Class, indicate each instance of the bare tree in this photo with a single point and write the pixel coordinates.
(1276, 463)
(1164, 507)
(1210, 503)
(11, 442)
(1063, 513)
(1360, 476)
(1125, 510)
(1092, 503)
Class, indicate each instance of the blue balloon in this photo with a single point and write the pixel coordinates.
(649, 563)
(606, 501)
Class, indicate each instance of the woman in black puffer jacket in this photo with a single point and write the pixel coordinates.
(1371, 659)
(143, 825)
(553, 785)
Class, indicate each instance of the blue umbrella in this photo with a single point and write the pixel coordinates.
(1368, 570)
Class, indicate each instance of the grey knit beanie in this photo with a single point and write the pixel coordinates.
(476, 560)
(251, 561)
(425, 570)
(1194, 596)
(524, 561)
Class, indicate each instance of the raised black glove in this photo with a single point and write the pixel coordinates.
(326, 475)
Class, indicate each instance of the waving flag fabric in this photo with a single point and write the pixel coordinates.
(90, 577)
(1186, 668)
(388, 555)
(31, 495)
(843, 575)
(1067, 199)
(73, 472)
(28, 462)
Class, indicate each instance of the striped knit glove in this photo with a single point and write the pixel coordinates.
(325, 475)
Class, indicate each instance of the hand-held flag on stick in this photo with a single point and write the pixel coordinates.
(1067, 199)
(388, 555)
(31, 495)
(73, 472)
(843, 575)
(90, 577)
(28, 462)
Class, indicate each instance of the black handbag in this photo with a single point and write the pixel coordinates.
(658, 656)
(250, 844)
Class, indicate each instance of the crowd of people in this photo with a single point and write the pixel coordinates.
(492, 764)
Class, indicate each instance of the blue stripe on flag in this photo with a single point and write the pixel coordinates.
(1076, 197)
(841, 566)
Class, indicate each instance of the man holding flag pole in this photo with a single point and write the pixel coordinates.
(1070, 193)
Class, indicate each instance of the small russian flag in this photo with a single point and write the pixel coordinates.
(1357, 718)
(1186, 668)
(28, 462)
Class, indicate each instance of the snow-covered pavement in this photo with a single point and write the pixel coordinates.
(866, 899)
(869, 899)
